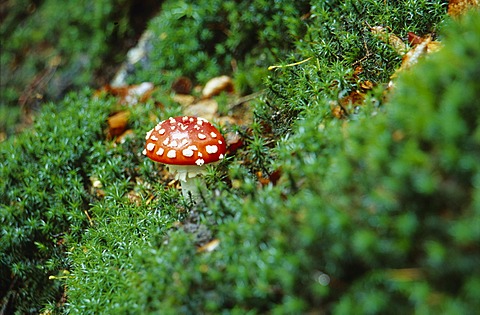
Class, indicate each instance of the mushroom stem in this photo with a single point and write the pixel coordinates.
(190, 181)
(190, 187)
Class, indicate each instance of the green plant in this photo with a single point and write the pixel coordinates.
(43, 196)
(363, 215)
(376, 212)
(204, 39)
(49, 49)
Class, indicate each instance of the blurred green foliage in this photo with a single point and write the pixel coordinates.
(43, 193)
(374, 213)
(51, 47)
(205, 39)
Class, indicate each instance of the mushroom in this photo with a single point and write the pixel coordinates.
(186, 144)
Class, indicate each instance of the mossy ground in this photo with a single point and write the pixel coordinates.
(374, 210)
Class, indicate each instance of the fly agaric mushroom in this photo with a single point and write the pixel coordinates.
(186, 144)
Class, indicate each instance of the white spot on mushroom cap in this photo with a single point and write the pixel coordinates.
(160, 152)
(148, 134)
(187, 152)
(211, 149)
(172, 154)
(213, 134)
(201, 136)
(154, 138)
(150, 146)
(199, 162)
(161, 131)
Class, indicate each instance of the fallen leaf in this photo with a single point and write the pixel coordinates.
(217, 85)
(209, 247)
(457, 8)
(184, 99)
(393, 40)
(338, 111)
(129, 94)
(275, 176)
(96, 187)
(234, 142)
(139, 93)
(117, 123)
(426, 46)
(95, 182)
(354, 98)
(134, 197)
(127, 134)
(270, 179)
(182, 85)
(206, 108)
(346, 104)
(366, 85)
(414, 39)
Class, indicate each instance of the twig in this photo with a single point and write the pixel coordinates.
(290, 65)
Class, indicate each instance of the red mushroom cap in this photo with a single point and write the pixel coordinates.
(185, 140)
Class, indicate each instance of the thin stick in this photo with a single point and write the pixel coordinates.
(290, 65)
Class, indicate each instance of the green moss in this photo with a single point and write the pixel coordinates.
(372, 213)
(344, 53)
(206, 39)
(48, 49)
(360, 219)
(43, 195)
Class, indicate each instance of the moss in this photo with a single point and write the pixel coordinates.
(361, 217)
(47, 51)
(206, 39)
(43, 195)
(376, 212)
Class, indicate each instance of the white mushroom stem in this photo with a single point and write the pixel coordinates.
(190, 187)
(186, 175)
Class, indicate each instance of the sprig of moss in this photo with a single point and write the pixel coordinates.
(43, 194)
(362, 217)
(204, 39)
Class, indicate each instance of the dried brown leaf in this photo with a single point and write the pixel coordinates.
(234, 142)
(206, 108)
(126, 134)
(426, 46)
(182, 85)
(217, 85)
(184, 99)
(129, 94)
(117, 123)
(209, 247)
(390, 38)
(367, 85)
(414, 39)
(458, 7)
